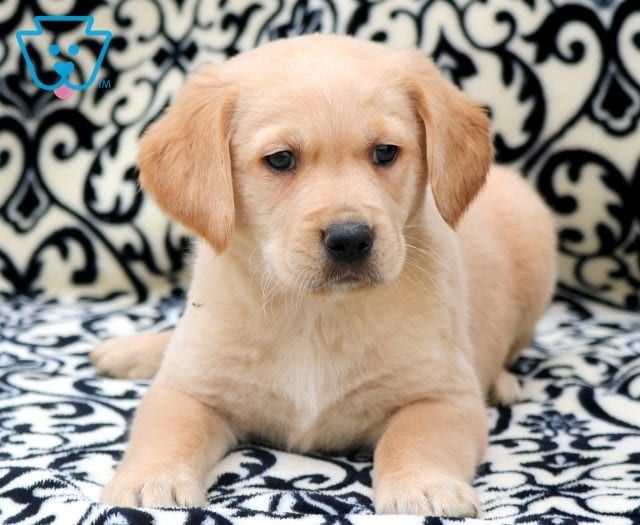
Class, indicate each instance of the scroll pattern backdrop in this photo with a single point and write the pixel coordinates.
(561, 79)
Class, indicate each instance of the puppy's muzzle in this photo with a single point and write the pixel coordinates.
(348, 242)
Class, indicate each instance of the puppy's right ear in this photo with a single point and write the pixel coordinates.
(185, 162)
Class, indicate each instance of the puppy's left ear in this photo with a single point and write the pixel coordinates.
(458, 149)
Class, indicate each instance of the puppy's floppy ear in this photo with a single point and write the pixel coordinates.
(185, 162)
(459, 151)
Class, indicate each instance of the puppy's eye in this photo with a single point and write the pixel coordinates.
(384, 154)
(281, 161)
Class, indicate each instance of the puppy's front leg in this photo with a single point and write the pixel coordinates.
(426, 459)
(175, 440)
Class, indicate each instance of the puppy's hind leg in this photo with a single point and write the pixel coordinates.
(131, 357)
(505, 389)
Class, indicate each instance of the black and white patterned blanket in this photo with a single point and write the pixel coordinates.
(561, 79)
(570, 451)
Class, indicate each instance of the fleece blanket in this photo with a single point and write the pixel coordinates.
(84, 256)
(570, 452)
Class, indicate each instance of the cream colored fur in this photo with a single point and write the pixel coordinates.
(270, 346)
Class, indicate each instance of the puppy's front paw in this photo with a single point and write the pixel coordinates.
(154, 488)
(426, 496)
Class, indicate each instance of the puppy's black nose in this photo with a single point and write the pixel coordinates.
(348, 241)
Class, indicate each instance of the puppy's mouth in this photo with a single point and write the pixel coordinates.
(347, 280)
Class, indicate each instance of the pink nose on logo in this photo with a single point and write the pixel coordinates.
(63, 92)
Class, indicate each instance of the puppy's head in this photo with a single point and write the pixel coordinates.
(319, 149)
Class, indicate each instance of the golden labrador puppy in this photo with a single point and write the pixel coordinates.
(341, 296)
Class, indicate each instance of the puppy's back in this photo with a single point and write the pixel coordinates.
(508, 243)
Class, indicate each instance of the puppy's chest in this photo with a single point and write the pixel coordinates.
(305, 396)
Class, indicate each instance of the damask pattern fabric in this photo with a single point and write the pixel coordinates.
(560, 78)
(83, 256)
(570, 451)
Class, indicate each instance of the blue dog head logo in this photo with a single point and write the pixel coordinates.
(64, 67)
